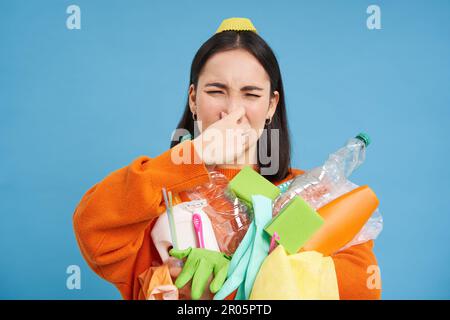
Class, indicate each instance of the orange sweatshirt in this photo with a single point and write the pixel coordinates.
(114, 218)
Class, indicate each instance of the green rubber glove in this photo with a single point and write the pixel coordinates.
(200, 264)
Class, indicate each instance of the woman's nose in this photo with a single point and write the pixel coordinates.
(233, 107)
(233, 104)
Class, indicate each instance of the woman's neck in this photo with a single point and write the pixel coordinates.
(248, 158)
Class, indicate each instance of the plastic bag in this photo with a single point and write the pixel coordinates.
(230, 218)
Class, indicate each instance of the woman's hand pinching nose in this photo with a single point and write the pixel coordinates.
(230, 134)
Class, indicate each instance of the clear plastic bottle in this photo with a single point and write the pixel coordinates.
(229, 217)
(323, 184)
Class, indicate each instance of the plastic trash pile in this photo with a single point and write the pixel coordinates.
(247, 238)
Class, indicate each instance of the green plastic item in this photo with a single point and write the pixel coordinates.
(248, 182)
(199, 266)
(295, 224)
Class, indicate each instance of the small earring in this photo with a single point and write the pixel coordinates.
(268, 121)
(194, 116)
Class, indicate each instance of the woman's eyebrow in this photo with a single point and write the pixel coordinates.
(250, 88)
(217, 84)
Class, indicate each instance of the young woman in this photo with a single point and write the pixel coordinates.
(235, 85)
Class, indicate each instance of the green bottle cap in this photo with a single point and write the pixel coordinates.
(364, 137)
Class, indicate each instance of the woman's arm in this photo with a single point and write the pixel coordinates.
(353, 272)
(113, 217)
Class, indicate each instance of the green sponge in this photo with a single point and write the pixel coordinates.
(248, 183)
(295, 224)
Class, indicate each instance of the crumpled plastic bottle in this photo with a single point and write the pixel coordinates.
(230, 218)
(323, 184)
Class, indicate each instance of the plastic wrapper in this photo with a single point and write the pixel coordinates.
(370, 231)
(230, 218)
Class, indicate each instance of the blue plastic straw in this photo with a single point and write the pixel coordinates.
(173, 232)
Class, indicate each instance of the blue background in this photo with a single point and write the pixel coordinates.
(76, 105)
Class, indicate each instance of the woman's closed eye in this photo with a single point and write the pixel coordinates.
(214, 92)
(251, 95)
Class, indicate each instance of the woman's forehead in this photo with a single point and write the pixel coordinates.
(234, 68)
